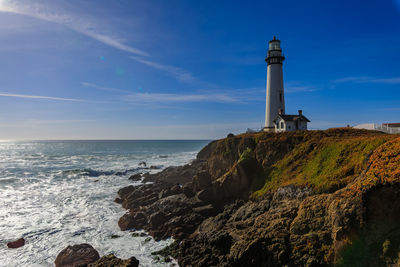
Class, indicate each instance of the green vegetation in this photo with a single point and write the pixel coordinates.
(325, 164)
(247, 155)
(224, 147)
(386, 247)
(355, 254)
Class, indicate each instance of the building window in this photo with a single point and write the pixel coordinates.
(289, 127)
(282, 125)
(277, 125)
(280, 97)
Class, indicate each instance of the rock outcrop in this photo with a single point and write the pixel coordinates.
(112, 261)
(76, 255)
(313, 198)
(16, 244)
(85, 255)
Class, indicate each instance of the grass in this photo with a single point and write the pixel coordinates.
(247, 155)
(324, 165)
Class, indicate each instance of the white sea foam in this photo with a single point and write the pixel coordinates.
(54, 197)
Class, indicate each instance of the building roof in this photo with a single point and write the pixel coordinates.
(287, 117)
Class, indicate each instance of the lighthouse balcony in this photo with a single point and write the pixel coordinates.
(274, 59)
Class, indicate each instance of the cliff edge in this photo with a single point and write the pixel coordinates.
(310, 198)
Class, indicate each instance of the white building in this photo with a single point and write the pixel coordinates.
(275, 118)
(393, 128)
(287, 123)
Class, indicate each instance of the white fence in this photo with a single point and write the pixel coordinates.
(387, 129)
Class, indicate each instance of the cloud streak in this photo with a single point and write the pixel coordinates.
(297, 89)
(365, 79)
(74, 23)
(41, 97)
(230, 96)
(85, 27)
(103, 88)
(148, 98)
(178, 73)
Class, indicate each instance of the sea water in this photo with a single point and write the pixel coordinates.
(60, 193)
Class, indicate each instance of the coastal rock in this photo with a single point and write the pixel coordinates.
(124, 192)
(76, 255)
(176, 175)
(201, 180)
(206, 211)
(142, 163)
(188, 190)
(174, 190)
(132, 220)
(316, 198)
(157, 219)
(16, 244)
(112, 261)
(135, 177)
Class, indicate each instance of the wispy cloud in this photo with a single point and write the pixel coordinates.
(225, 96)
(56, 121)
(147, 98)
(391, 109)
(178, 73)
(89, 29)
(365, 79)
(77, 24)
(103, 88)
(41, 97)
(297, 89)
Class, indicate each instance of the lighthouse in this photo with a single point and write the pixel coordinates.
(275, 102)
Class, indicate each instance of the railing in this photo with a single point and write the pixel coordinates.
(387, 129)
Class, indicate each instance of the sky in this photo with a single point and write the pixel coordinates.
(154, 69)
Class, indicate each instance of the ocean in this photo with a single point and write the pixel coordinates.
(60, 193)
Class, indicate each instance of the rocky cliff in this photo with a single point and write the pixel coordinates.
(309, 198)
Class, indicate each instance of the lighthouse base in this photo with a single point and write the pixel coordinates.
(269, 129)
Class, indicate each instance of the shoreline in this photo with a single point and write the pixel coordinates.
(220, 215)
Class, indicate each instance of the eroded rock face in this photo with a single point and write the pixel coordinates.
(165, 216)
(238, 235)
(112, 261)
(76, 255)
(215, 222)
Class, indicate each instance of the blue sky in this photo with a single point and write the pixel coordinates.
(191, 69)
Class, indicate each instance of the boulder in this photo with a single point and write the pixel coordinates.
(174, 190)
(124, 192)
(76, 255)
(154, 167)
(112, 261)
(16, 244)
(136, 177)
(175, 175)
(157, 219)
(132, 220)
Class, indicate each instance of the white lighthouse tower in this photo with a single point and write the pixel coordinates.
(275, 102)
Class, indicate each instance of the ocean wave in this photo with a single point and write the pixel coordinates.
(96, 173)
(48, 196)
